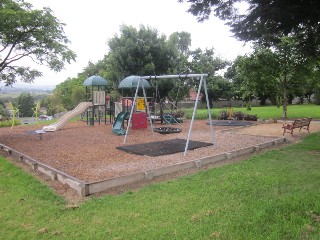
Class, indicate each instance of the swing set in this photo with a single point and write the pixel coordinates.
(159, 114)
(200, 77)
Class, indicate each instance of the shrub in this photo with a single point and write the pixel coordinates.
(224, 115)
(238, 115)
(249, 117)
(248, 106)
(8, 123)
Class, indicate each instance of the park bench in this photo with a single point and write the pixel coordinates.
(302, 123)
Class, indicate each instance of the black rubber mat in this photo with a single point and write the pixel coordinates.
(166, 147)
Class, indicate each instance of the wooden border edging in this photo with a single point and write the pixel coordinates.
(95, 187)
(54, 174)
(87, 188)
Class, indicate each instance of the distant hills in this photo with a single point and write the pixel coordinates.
(30, 88)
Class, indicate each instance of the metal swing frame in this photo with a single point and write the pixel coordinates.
(202, 78)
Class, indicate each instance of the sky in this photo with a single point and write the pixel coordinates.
(89, 25)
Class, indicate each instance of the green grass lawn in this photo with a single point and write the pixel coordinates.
(265, 112)
(274, 195)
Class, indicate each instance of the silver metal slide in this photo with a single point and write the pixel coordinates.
(67, 117)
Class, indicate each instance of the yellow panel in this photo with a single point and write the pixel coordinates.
(140, 104)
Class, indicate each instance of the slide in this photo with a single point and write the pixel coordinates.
(67, 117)
(117, 125)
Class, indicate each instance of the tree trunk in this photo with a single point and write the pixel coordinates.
(210, 103)
(263, 101)
(284, 106)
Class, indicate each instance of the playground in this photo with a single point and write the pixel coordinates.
(94, 157)
(90, 153)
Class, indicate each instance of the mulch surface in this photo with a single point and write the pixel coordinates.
(160, 148)
(230, 123)
(90, 153)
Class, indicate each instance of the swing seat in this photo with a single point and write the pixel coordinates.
(167, 130)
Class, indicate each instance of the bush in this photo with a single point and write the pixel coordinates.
(249, 117)
(241, 116)
(248, 106)
(238, 115)
(8, 123)
(224, 115)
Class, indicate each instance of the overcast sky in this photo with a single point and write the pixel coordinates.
(89, 25)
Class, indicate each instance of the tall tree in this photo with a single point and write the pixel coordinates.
(233, 75)
(36, 35)
(78, 94)
(204, 61)
(138, 52)
(144, 51)
(257, 75)
(55, 103)
(273, 73)
(294, 69)
(25, 104)
(178, 46)
(68, 93)
(267, 21)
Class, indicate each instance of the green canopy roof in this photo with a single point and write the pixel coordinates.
(95, 81)
(131, 82)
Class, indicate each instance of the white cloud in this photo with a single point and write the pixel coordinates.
(91, 23)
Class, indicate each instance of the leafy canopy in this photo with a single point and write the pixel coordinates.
(204, 61)
(36, 35)
(25, 104)
(138, 52)
(267, 21)
(145, 52)
(275, 74)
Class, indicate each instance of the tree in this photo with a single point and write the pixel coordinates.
(178, 45)
(206, 62)
(3, 111)
(274, 73)
(267, 21)
(257, 75)
(68, 93)
(219, 88)
(291, 66)
(145, 52)
(34, 34)
(317, 95)
(55, 104)
(138, 52)
(315, 84)
(78, 94)
(233, 75)
(2, 103)
(25, 104)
